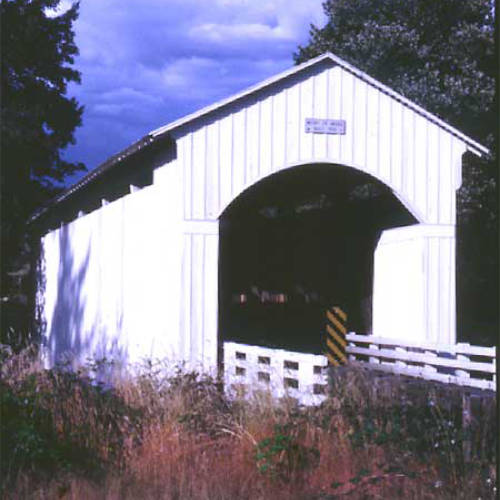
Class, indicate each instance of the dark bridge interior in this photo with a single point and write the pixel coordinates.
(298, 242)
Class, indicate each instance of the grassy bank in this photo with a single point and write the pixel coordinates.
(179, 437)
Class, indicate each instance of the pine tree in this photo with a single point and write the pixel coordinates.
(38, 121)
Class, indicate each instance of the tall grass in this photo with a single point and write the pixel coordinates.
(178, 437)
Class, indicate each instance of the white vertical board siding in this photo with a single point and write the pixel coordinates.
(432, 161)
(446, 189)
(414, 284)
(112, 279)
(320, 110)
(211, 299)
(185, 151)
(265, 137)
(197, 251)
(334, 107)
(293, 124)
(279, 130)
(224, 163)
(416, 158)
(306, 111)
(252, 151)
(112, 284)
(198, 169)
(360, 122)
(398, 287)
(265, 133)
(48, 289)
(397, 143)
(199, 290)
(186, 322)
(372, 132)
(440, 284)
(239, 160)
(408, 158)
(348, 98)
(212, 174)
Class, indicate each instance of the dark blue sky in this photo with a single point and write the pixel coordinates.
(145, 63)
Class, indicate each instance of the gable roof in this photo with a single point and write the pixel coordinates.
(473, 145)
(160, 132)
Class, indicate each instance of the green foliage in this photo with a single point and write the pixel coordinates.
(438, 54)
(282, 456)
(61, 420)
(195, 400)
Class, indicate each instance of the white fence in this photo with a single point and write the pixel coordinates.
(279, 372)
(461, 364)
(303, 376)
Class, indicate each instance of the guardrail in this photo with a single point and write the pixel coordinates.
(460, 364)
(249, 368)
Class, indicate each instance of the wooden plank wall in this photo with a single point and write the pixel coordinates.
(222, 156)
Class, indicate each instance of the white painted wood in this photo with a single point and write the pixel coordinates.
(198, 169)
(243, 367)
(212, 174)
(384, 137)
(185, 147)
(164, 238)
(265, 136)
(225, 161)
(428, 358)
(459, 348)
(239, 166)
(414, 274)
(397, 144)
(320, 109)
(252, 150)
(438, 377)
(294, 124)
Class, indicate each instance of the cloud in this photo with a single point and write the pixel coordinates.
(145, 63)
(228, 33)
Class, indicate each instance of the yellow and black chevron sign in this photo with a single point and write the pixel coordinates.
(335, 336)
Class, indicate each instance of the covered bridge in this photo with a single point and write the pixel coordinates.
(317, 186)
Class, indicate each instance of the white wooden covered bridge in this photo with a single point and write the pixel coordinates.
(130, 255)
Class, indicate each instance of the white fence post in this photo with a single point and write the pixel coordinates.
(399, 363)
(430, 368)
(461, 374)
(374, 359)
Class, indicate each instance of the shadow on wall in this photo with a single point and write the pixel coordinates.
(73, 336)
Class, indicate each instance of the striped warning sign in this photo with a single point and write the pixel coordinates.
(335, 336)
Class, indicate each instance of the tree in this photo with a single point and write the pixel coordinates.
(440, 55)
(38, 121)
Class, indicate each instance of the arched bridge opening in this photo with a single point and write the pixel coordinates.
(296, 242)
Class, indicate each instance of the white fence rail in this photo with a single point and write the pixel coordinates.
(461, 364)
(303, 376)
(298, 375)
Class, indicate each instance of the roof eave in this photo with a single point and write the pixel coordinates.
(93, 174)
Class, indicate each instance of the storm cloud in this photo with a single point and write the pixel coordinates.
(145, 63)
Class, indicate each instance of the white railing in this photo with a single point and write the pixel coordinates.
(253, 369)
(461, 364)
